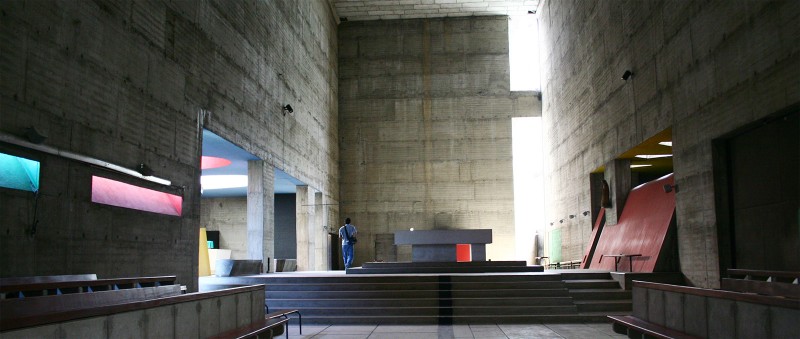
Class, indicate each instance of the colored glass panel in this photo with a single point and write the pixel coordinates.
(111, 192)
(19, 173)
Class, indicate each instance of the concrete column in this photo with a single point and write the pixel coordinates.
(260, 212)
(303, 239)
(320, 238)
(618, 175)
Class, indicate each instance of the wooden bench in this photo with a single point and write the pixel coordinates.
(22, 307)
(21, 289)
(671, 311)
(773, 283)
(161, 317)
(264, 328)
(634, 327)
(46, 278)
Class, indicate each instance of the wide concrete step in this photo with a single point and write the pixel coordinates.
(489, 269)
(574, 275)
(600, 294)
(436, 311)
(403, 294)
(418, 302)
(456, 319)
(604, 306)
(591, 283)
(455, 285)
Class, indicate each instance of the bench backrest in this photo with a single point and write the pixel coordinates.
(192, 315)
(716, 313)
(43, 288)
(45, 279)
(25, 307)
(774, 283)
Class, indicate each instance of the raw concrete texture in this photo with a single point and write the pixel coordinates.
(229, 217)
(702, 68)
(125, 82)
(425, 116)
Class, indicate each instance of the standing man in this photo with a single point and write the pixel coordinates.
(348, 234)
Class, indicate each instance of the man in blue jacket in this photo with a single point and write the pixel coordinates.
(348, 234)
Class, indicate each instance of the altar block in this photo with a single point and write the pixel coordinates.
(441, 245)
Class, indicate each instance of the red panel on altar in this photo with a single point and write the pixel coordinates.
(463, 252)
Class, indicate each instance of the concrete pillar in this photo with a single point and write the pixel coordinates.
(260, 212)
(320, 237)
(618, 175)
(303, 239)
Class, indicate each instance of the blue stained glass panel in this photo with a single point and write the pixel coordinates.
(19, 173)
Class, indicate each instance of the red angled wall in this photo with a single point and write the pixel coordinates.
(642, 229)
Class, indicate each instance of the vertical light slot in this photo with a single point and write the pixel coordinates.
(528, 184)
(523, 53)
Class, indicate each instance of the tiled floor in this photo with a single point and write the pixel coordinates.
(505, 331)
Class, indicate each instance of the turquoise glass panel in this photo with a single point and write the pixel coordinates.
(19, 173)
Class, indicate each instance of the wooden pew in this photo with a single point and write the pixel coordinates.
(46, 278)
(239, 310)
(24, 289)
(774, 283)
(671, 311)
(23, 307)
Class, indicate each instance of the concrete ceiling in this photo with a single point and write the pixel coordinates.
(361, 10)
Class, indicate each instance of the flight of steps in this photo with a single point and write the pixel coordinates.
(444, 299)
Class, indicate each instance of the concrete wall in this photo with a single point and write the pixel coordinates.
(229, 217)
(124, 82)
(425, 127)
(702, 68)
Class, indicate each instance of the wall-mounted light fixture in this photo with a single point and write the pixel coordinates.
(145, 170)
(627, 75)
(669, 188)
(34, 136)
(288, 108)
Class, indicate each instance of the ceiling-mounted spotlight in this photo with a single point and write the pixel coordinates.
(627, 75)
(34, 135)
(585, 213)
(561, 221)
(144, 170)
(572, 216)
(288, 108)
(531, 12)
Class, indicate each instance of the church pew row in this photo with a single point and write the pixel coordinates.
(774, 283)
(193, 315)
(25, 289)
(46, 278)
(671, 311)
(16, 308)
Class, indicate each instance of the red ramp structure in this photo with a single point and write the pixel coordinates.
(644, 238)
